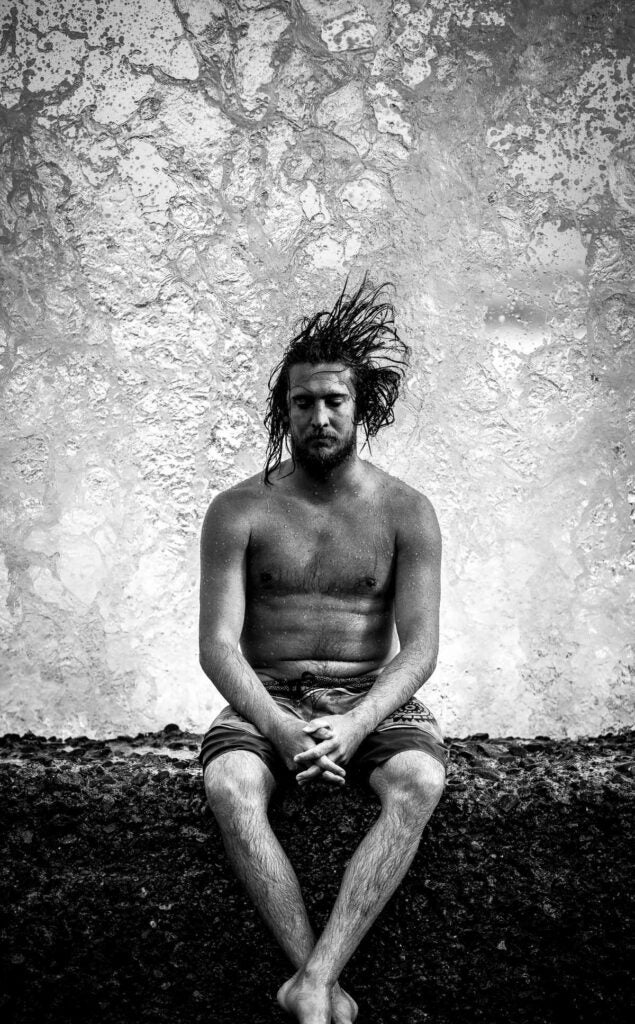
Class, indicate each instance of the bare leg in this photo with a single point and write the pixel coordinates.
(409, 786)
(239, 786)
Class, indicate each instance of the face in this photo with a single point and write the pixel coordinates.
(322, 427)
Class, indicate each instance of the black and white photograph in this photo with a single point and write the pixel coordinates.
(317, 548)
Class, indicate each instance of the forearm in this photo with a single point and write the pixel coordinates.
(234, 678)
(405, 674)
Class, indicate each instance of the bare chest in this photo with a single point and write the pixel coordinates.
(312, 552)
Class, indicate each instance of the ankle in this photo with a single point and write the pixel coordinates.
(316, 976)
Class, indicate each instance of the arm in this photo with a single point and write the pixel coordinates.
(224, 543)
(417, 597)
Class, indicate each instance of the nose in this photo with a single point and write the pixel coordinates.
(320, 414)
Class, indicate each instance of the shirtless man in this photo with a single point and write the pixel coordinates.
(319, 622)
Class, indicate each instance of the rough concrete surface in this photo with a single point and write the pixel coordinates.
(119, 905)
(182, 179)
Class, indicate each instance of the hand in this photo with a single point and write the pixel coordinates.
(336, 737)
(290, 739)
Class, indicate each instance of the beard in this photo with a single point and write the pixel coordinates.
(318, 461)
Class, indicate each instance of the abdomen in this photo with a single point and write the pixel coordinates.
(318, 628)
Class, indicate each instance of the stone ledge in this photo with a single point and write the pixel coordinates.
(120, 904)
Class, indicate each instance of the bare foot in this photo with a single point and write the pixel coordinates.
(308, 1002)
(343, 1007)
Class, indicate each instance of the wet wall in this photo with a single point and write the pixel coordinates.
(181, 180)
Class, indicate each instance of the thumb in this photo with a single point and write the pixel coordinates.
(315, 725)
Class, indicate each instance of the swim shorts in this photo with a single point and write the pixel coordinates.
(410, 727)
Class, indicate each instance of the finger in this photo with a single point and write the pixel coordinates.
(310, 773)
(316, 724)
(316, 752)
(320, 735)
(326, 746)
(336, 780)
(331, 766)
(325, 766)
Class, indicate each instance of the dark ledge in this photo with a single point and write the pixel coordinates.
(119, 906)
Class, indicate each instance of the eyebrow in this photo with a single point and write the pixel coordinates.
(343, 393)
(331, 384)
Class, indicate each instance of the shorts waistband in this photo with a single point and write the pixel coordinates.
(310, 680)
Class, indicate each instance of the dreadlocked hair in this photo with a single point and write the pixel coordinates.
(358, 332)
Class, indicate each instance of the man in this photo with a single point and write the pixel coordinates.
(319, 621)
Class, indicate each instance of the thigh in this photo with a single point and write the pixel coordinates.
(231, 732)
(411, 727)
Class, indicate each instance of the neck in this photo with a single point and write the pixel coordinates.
(333, 481)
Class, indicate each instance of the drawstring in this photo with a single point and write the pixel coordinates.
(296, 689)
(301, 685)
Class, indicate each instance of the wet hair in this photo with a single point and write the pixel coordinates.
(358, 332)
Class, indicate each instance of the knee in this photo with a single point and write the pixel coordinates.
(221, 788)
(236, 781)
(412, 784)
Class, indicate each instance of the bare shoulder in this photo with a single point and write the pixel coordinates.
(411, 511)
(234, 510)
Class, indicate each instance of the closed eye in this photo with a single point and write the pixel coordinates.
(331, 400)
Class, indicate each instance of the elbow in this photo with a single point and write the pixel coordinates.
(430, 656)
(423, 653)
(427, 663)
(431, 660)
(210, 650)
(204, 662)
(206, 651)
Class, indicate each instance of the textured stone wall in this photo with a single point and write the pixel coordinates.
(181, 179)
